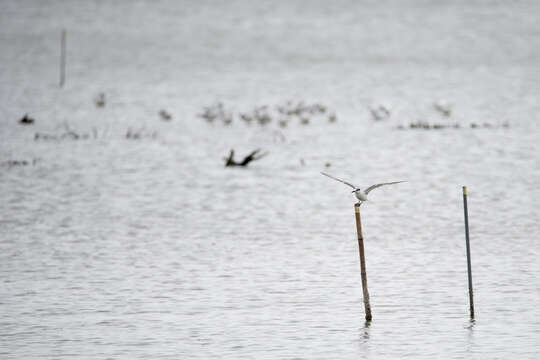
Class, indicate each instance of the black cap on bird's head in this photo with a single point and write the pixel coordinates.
(355, 190)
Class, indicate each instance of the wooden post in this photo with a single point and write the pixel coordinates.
(63, 58)
(367, 306)
(466, 213)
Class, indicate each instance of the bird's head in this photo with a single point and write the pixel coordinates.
(355, 190)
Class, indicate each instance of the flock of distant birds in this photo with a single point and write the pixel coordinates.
(305, 114)
(263, 115)
(11, 163)
(283, 114)
(439, 126)
(444, 108)
(382, 112)
(70, 134)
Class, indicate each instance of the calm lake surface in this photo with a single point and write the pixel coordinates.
(149, 248)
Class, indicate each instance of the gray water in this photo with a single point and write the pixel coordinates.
(152, 249)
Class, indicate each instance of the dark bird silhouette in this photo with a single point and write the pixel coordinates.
(26, 120)
(254, 155)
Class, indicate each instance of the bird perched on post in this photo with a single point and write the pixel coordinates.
(361, 195)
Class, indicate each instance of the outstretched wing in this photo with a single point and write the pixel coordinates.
(378, 185)
(342, 181)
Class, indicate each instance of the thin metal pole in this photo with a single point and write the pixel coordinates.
(63, 58)
(466, 213)
(367, 306)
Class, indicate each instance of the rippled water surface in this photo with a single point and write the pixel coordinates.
(151, 249)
